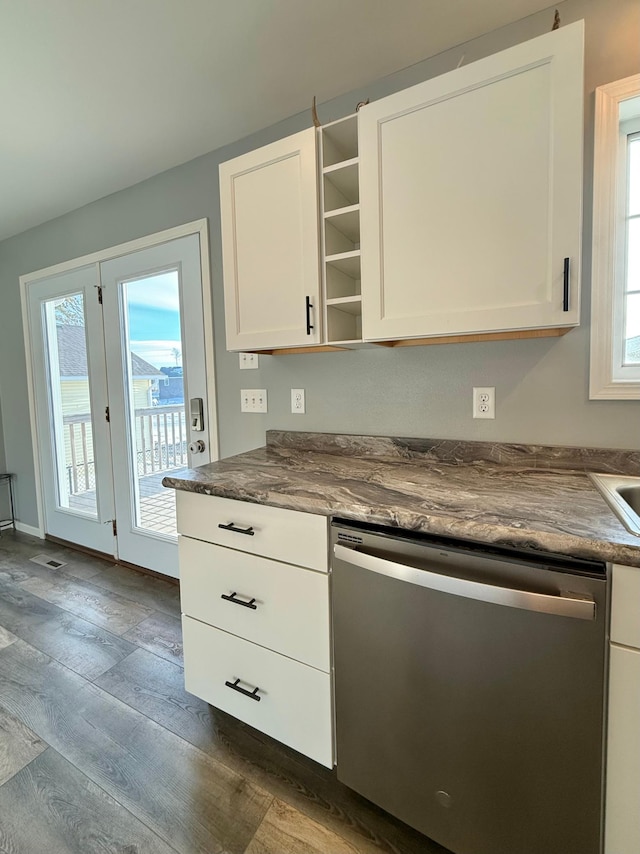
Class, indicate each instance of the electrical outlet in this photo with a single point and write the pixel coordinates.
(253, 400)
(484, 402)
(248, 361)
(297, 401)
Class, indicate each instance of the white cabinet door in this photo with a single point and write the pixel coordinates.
(290, 702)
(275, 532)
(280, 607)
(470, 192)
(269, 210)
(622, 816)
(625, 606)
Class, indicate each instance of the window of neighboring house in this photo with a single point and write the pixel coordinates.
(615, 319)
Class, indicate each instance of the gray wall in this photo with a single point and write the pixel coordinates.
(541, 385)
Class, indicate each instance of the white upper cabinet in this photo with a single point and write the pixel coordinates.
(470, 196)
(269, 211)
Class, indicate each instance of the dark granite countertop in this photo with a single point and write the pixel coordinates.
(526, 496)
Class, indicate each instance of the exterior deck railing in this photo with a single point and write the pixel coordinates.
(160, 437)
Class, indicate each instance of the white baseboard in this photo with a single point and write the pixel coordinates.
(29, 529)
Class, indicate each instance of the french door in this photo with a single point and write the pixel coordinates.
(120, 387)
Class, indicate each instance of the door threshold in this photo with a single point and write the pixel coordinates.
(76, 547)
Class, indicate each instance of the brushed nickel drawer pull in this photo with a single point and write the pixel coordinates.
(231, 527)
(253, 695)
(232, 598)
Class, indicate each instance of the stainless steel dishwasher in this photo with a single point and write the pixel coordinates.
(469, 687)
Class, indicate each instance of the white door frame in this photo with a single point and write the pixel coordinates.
(199, 227)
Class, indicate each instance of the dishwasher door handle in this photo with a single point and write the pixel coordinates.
(561, 606)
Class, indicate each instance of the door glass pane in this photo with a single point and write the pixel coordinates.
(155, 391)
(632, 336)
(70, 404)
(634, 176)
(633, 255)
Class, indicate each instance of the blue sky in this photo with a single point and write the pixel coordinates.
(154, 318)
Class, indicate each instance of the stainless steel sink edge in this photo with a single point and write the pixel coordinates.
(609, 485)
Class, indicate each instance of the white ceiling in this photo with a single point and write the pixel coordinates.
(96, 95)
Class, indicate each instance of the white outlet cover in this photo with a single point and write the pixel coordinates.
(297, 401)
(484, 402)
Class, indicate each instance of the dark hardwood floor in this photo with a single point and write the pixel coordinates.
(102, 749)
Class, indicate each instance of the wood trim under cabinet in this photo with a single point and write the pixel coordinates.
(294, 351)
(554, 332)
(480, 336)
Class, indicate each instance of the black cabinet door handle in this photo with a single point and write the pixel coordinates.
(235, 601)
(231, 527)
(309, 307)
(565, 297)
(252, 695)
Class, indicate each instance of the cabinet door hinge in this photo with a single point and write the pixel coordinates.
(115, 527)
(99, 287)
(107, 414)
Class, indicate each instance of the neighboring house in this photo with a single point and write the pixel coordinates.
(171, 389)
(75, 403)
(633, 350)
(74, 384)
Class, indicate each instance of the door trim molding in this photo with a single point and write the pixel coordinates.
(199, 227)
(29, 529)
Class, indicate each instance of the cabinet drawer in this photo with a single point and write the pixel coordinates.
(290, 613)
(625, 606)
(294, 703)
(286, 535)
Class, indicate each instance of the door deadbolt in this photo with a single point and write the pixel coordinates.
(196, 410)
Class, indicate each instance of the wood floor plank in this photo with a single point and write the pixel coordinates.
(82, 646)
(6, 637)
(156, 688)
(17, 549)
(193, 802)
(160, 634)
(88, 601)
(18, 746)
(78, 565)
(51, 807)
(141, 587)
(12, 571)
(21, 611)
(285, 830)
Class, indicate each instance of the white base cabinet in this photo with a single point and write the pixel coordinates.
(254, 590)
(622, 811)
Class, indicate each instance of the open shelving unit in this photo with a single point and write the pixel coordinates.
(340, 213)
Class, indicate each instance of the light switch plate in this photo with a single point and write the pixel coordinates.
(253, 400)
(248, 361)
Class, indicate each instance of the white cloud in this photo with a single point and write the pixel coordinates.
(158, 353)
(159, 291)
